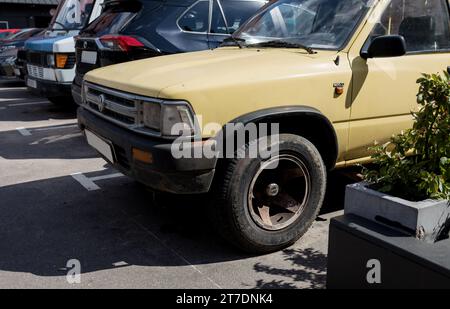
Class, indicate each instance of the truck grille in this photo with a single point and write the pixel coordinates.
(35, 71)
(36, 58)
(121, 108)
(40, 59)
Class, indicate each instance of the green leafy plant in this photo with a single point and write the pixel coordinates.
(415, 165)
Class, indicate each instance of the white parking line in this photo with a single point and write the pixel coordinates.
(1, 108)
(13, 88)
(116, 175)
(27, 132)
(24, 131)
(89, 184)
(11, 99)
(29, 103)
(57, 127)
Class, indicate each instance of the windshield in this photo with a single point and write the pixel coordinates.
(319, 24)
(72, 15)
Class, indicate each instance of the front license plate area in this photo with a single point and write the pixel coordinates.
(101, 145)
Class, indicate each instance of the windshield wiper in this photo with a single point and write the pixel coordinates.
(282, 44)
(232, 39)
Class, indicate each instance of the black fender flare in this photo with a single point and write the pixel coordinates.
(285, 112)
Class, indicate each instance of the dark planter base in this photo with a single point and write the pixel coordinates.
(404, 261)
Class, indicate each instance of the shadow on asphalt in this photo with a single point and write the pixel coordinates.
(337, 181)
(7, 82)
(46, 223)
(308, 266)
(38, 112)
(13, 97)
(51, 142)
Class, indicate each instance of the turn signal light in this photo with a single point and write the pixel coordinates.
(143, 156)
(61, 60)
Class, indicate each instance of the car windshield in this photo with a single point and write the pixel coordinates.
(318, 24)
(72, 15)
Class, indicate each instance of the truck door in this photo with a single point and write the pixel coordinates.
(384, 89)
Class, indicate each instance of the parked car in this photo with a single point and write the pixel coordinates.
(10, 47)
(5, 33)
(51, 59)
(20, 65)
(131, 30)
(335, 76)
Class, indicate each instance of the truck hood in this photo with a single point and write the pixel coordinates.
(169, 77)
(59, 44)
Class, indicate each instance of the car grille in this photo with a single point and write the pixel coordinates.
(36, 58)
(118, 107)
(35, 71)
(40, 59)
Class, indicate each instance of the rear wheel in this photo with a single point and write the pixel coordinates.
(266, 205)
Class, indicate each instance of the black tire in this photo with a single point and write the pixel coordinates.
(62, 100)
(230, 212)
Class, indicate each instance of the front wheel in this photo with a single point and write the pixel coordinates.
(266, 205)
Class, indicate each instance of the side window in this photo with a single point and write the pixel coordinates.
(196, 19)
(217, 21)
(423, 23)
(237, 12)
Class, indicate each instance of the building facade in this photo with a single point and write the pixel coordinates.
(26, 13)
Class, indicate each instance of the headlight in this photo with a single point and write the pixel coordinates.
(57, 60)
(51, 60)
(152, 115)
(171, 119)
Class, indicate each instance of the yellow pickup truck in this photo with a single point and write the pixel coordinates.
(303, 87)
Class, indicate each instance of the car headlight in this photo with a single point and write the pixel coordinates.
(51, 60)
(152, 115)
(57, 60)
(170, 118)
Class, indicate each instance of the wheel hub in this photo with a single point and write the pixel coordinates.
(272, 189)
(279, 192)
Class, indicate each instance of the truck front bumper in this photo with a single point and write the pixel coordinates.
(165, 173)
(47, 88)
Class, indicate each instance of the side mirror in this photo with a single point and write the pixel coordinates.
(385, 46)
